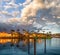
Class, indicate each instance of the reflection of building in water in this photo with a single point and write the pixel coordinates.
(4, 41)
(4, 34)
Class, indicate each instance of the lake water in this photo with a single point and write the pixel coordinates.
(52, 48)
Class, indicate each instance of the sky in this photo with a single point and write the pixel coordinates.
(30, 15)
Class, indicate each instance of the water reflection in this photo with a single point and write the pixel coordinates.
(55, 42)
(52, 47)
(32, 41)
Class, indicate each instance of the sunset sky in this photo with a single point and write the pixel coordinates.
(30, 15)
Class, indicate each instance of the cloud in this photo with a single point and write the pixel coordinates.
(13, 20)
(49, 23)
(0, 1)
(9, 15)
(26, 2)
(6, 0)
(35, 13)
(58, 17)
(11, 4)
(53, 24)
(35, 24)
(44, 19)
(0, 17)
(16, 13)
(6, 14)
(52, 4)
(31, 9)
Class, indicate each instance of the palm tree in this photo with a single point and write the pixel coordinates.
(19, 35)
(49, 32)
(38, 30)
(43, 32)
(12, 31)
(12, 36)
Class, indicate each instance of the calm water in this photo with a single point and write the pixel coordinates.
(52, 48)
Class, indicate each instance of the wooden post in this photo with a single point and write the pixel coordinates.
(45, 45)
(34, 46)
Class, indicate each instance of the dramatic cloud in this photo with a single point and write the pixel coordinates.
(31, 10)
(34, 13)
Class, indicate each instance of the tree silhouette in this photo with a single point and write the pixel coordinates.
(43, 32)
(49, 32)
(12, 36)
